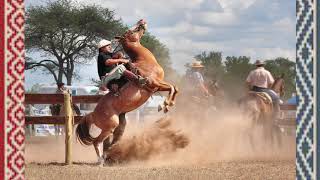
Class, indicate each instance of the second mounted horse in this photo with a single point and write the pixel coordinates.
(257, 107)
(105, 117)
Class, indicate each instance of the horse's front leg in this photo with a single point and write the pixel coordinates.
(164, 86)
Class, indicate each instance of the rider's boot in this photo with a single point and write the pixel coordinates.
(135, 78)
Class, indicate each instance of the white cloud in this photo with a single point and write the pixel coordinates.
(131, 10)
(215, 18)
(182, 28)
(270, 53)
(230, 5)
(286, 24)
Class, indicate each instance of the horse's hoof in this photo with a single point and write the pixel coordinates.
(171, 103)
(99, 164)
(160, 107)
(109, 162)
(166, 109)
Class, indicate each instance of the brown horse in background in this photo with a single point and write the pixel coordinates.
(217, 93)
(105, 117)
(258, 108)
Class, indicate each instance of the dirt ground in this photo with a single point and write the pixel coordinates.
(258, 170)
(218, 149)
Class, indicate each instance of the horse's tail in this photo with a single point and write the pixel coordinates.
(82, 132)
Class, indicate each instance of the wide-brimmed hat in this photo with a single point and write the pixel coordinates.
(196, 64)
(103, 43)
(259, 62)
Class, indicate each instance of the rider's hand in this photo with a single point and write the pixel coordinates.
(124, 61)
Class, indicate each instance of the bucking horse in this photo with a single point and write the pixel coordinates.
(110, 109)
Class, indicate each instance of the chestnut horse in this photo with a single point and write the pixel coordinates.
(260, 111)
(105, 117)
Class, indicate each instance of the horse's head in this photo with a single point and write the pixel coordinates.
(135, 33)
(278, 85)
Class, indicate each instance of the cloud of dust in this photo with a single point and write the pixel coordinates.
(207, 136)
(153, 140)
(187, 136)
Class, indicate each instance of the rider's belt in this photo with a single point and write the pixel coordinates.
(257, 87)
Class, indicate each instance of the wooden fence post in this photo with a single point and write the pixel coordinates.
(68, 127)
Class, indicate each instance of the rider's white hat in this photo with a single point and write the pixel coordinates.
(103, 43)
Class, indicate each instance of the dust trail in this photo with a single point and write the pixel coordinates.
(205, 137)
(158, 139)
(215, 135)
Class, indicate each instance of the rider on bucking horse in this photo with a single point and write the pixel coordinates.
(261, 80)
(111, 67)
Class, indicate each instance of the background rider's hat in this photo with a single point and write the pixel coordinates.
(103, 43)
(259, 62)
(196, 64)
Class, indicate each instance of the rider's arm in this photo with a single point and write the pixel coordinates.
(248, 85)
(201, 83)
(249, 81)
(270, 80)
(204, 88)
(109, 62)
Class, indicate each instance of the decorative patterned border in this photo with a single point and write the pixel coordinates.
(305, 81)
(12, 89)
(12, 92)
(317, 94)
(2, 109)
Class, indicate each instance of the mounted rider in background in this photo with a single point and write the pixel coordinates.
(196, 79)
(261, 80)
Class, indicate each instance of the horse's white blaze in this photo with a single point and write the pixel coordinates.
(94, 131)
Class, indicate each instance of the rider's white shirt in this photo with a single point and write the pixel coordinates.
(197, 77)
(260, 77)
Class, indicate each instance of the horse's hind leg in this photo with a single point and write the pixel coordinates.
(110, 125)
(98, 144)
(117, 134)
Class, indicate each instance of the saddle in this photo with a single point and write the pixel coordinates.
(264, 96)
